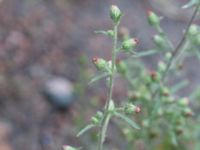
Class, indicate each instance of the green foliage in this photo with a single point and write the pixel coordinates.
(163, 115)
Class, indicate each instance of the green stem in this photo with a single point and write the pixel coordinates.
(107, 116)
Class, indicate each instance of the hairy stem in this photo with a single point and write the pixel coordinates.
(106, 119)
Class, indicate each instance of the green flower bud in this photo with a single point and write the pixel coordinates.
(187, 112)
(99, 115)
(115, 14)
(153, 19)
(159, 40)
(162, 66)
(130, 108)
(129, 44)
(168, 55)
(94, 120)
(155, 76)
(193, 30)
(121, 67)
(110, 33)
(183, 102)
(165, 91)
(111, 106)
(99, 63)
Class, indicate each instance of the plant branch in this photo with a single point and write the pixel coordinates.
(106, 119)
(176, 51)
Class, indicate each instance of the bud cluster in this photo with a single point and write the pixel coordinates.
(96, 120)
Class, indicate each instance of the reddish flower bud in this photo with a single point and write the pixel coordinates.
(153, 19)
(129, 44)
(99, 63)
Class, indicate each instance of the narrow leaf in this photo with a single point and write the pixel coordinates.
(128, 120)
(145, 53)
(179, 86)
(101, 32)
(190, 4)
(67, 147)
(85, 129)
(98, 77)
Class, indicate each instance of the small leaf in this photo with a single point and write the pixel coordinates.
(190, 4)
(85, 129)
(128, 120)
(98, 77)
(101, 32)
(144, 53)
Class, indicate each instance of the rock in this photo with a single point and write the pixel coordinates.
(59, 92)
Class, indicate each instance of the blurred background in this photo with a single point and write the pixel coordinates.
(45, 52)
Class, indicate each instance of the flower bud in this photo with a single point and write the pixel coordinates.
(159, 40)
(155, 76)
(129, 44)
(183, 102)
(162, 66)
(115, 14)
(153, 19)
(99, 63)
(99, 115)
(110, 33)
(94, 120)
(165, 91)
(121, 67)
(168, 55)
(187, 112)
(130, 108)
(193, 30)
